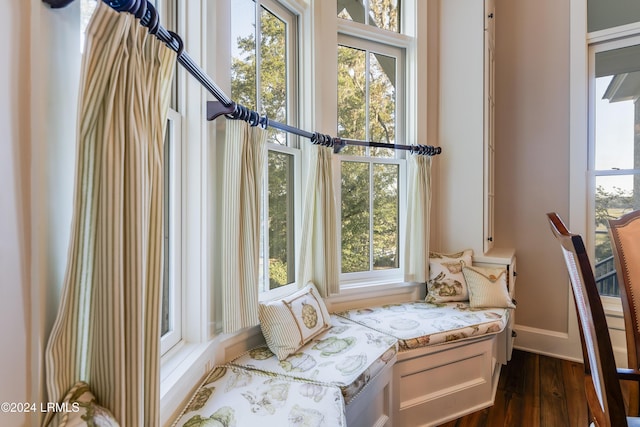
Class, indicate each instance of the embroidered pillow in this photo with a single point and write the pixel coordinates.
(446, 281)
(291, 322)
(487, 287)
(81, 409)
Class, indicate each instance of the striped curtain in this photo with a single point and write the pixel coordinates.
(319, 252)
(244, 157)
(416, 268)
(107, 329)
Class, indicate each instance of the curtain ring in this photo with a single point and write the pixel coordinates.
(121, 5)
(151, 20)
(133, 9)
(141, 10)
(264, 121)
(254, 118)
(178, 39)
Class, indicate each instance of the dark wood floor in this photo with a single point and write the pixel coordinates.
(534, 391)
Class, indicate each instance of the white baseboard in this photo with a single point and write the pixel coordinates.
(548, 343)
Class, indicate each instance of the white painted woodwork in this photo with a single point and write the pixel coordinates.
(466, 124)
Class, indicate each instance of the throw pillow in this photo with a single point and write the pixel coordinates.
(446, 281)
(291, 322)
(81, 409)
(487, 287)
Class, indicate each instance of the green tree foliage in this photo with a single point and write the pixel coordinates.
(609, 205)
(363, 76)
(355, 217)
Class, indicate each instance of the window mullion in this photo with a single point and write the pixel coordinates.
(367, 97)
(258, 37)
(371, 216)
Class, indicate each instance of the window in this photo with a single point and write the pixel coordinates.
(614, 160)
(263, 78)
(370, 107)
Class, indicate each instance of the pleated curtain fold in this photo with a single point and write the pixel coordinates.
(319, 247)
(244, 158)
(107, 328)
(416, 267)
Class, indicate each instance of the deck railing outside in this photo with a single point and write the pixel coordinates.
(606, 278)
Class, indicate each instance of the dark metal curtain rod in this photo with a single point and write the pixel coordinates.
(148, 15)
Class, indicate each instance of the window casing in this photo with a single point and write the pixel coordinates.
(371, 195)
(264, 76)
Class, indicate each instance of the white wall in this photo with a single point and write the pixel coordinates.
(532, 154)
(38, 82)
(15, 314)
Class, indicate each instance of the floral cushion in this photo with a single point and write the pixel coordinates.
(446, 281)
(82, 409)
(348, 355)
(418, 324)
(232, 396)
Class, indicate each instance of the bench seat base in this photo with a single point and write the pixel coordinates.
(433, 385)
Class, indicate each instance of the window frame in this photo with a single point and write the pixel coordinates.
(602, 44)
(268, 294)
(374, 40)
(290, 17)
(174, 137)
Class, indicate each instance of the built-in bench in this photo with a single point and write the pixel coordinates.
(392, 365)
(406, 364)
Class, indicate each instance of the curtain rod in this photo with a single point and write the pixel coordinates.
(148, 15)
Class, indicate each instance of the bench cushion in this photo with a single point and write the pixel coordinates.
(232, 396)
(348, 355)
(418, 324)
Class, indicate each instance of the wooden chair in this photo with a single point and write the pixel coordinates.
(602, 379)
(625, 241)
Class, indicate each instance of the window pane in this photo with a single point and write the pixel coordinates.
(617, 127)
(281, 221)
(352, 97)
(385, 216)
(384, 14)
(603, 14)
(381, 13)
(382, 102)
(273, 72)
(243, 53)
(355, 217)
(614, 197)
(352, 10)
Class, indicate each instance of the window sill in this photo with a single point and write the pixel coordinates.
(181, 370)
(354, 295)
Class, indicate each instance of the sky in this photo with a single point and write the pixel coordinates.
(614, 139)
